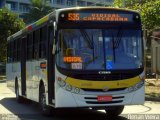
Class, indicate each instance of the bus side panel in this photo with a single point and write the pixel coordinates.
(34, 74)
(39, 74)
(29, 75)
(9, 77)
(13, 72)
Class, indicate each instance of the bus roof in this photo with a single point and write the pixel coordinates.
(97, 7)
(50, 16)
(32, 26)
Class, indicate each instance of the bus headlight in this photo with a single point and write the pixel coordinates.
(139, 85)
(130, 89)
(136, 87)
(68, 87)
(76, 90)
(61, 82)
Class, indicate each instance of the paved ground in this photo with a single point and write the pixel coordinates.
(9, 108)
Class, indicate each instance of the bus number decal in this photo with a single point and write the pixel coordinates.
(73, 16)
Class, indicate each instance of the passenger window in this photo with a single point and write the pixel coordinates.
(9, 52)
(29, 46)
(43, 42)
(36, 38)
(18, 49)
(11, 45)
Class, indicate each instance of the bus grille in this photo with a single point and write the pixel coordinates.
(93, 100)
(110, 102)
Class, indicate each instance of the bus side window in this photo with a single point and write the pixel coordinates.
(36, 38)
(14, 50)
(29, 46)
(18, 49)
(43, 42)
(9, 52)
(11, 60)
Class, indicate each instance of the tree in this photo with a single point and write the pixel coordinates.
(129, 3)
(9, 24)
(38, 9)
(149, 10)
(150, 15)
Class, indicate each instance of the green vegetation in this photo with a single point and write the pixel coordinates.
(149, 10)
(39, 9)
(9, 24)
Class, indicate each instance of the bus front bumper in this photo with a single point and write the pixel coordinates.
(67, 99)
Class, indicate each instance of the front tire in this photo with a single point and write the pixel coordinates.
(114, 111)
(45, 110)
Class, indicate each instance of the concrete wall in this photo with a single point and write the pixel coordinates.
(155, 53)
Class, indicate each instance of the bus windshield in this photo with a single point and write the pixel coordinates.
(99, 49)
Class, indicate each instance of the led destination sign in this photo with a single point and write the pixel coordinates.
(106, 17)
(98, 17)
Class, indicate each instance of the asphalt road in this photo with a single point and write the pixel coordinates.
(11, 110)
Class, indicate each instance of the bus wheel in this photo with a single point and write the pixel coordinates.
(45, 110)
(113, 111)
(18, 97)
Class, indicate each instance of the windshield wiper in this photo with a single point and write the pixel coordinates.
(87, 38)
(119, 37)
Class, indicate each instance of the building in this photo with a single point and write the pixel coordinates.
(23, 6)
(17, 6)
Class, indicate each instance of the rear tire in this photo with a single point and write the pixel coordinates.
(44, 108)
(113, 111)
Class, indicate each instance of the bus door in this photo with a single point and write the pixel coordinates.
(51, 65)
(23, 66)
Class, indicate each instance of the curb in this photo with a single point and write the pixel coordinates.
(152, 99)
(2, 81)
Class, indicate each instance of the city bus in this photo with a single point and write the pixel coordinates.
(81, 57)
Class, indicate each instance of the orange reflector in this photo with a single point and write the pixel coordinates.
(72, 59)
(59, 78)
(43, 65)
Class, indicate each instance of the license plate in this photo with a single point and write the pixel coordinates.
(104, 98)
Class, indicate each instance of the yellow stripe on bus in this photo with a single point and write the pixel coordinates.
(103, 84)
